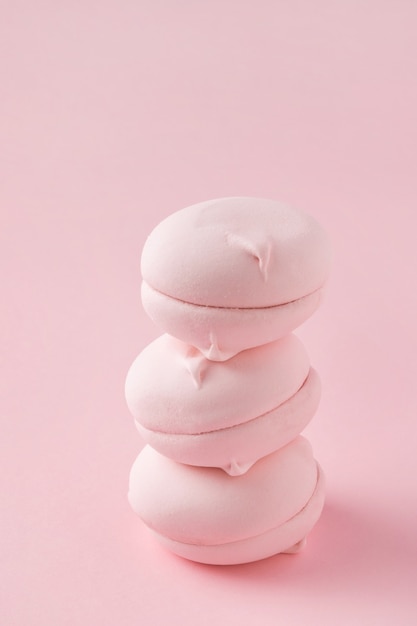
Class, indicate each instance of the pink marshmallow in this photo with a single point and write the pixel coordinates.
(221, 414)
(233, 273)
(206, 515)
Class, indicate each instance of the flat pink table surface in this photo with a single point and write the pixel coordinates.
(113, 115)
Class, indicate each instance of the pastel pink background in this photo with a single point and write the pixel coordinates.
(113, 115)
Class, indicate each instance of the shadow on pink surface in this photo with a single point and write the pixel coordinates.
(352, 546)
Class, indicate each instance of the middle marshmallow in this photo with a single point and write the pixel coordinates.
(225, 414)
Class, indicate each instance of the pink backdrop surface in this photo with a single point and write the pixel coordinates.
(113, 115)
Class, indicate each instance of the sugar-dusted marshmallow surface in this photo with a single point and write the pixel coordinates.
(223, 414)
(208, 516)
(233, 273)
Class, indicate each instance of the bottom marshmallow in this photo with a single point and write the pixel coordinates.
(205, 515)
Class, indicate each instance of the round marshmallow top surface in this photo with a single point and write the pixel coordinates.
(171, 387)
(236, 253)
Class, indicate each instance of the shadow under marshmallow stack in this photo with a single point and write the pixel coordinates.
(222, 397)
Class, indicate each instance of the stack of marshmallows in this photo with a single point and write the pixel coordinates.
(222, 397)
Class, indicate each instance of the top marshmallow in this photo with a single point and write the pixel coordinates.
(236, 253)
(235, 273)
